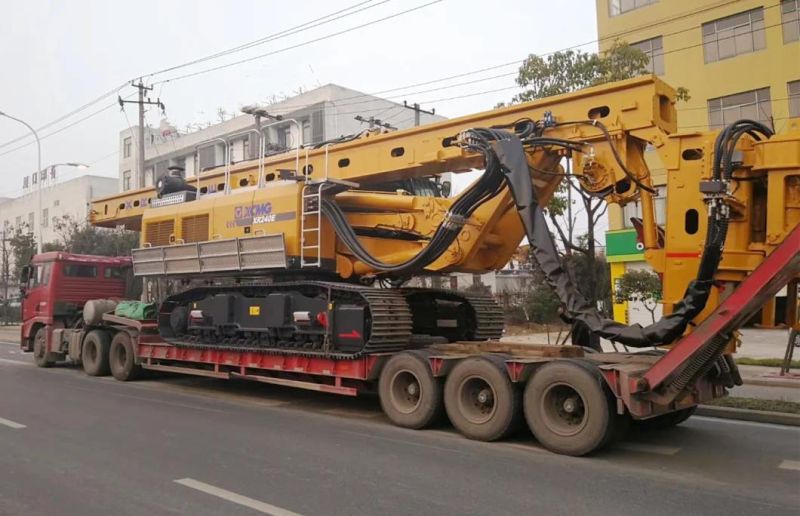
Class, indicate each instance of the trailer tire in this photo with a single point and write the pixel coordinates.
(94, 353)
(569, 408)
(410, 395)
(41, 356)
(122, 358)
(480, 399)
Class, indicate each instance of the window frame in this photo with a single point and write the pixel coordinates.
(762, 97)
(127, 147)
(795, 12)
(620, 10)
(651, 53)
(793, 98)
(729, 23)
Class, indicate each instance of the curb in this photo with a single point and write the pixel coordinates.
(773, 382)
(758, 416)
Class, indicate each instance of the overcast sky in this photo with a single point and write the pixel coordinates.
(58, 56)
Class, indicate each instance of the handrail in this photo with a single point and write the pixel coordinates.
(297, 146)
(227, 162)
(233, 136)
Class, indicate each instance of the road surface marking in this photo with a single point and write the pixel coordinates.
(11, 424)
(648, 448)
(14, 362)
(790, 464)
(352, 413)
(404, 441)
(230, 496)
(744, 423)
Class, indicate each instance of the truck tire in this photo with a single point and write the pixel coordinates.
(94, 354)
(569, 409)
(122, 358)
(480, 399)
(41, 356)
(410, 395)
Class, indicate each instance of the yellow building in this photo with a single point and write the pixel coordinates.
(736, 58)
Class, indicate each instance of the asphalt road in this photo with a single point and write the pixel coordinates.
(70, 444)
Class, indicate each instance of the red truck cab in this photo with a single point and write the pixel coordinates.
(55, 286)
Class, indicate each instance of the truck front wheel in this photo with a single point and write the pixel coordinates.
(122, 358)
(94, 354)
(41, 355)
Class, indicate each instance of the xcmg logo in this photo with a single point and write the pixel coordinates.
(253, 214)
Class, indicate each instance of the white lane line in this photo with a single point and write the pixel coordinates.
(352, 413)
(757, 424)
(14, 362)
(790, 464)
(11, 424)
(230, 496)
(648, 448)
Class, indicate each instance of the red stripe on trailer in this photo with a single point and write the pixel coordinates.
(765, 281)
(353, 369)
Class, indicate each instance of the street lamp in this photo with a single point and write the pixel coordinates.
(52, 168)
(38, 155)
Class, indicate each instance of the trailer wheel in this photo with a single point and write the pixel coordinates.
(480, 399)
(122, 358)
(41, 356)
(94, 354)
(410, 395)
(569, 409)
(664, 421)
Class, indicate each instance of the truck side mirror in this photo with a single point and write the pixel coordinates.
(25, 275)
(445, 188)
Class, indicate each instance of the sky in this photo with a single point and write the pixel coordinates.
(58, 56)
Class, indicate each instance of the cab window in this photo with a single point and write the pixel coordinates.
(41, 275)
(77, 270)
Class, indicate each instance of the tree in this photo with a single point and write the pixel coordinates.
(564, 72)
(23, 247)
(80, 237)
(643, 286)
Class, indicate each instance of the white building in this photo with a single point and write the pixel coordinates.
(56, 200)
(318, 115)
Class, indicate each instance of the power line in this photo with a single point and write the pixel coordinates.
(298, 45)
(287, 32)
(510, 63)
(274, 36)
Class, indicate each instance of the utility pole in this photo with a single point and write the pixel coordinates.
(5, 274)
(417, 111)
(140, 145)
(375, 122)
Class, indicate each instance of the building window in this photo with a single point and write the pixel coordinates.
(246, 149)
(306, 132)
(126, 180)
(31, 220)
(749, 104)
(793, 89)
(45, 217)
(655, 51)
(790, 18)
(18, 221)
(617, 7)
(56, 202)
(734, 35)
(126, 147)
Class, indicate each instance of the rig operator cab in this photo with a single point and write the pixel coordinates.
(55, 288)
